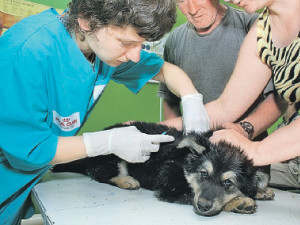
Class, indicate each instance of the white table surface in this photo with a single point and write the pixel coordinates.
(73, 199)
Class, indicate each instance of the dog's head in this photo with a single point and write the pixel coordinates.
(216, 173)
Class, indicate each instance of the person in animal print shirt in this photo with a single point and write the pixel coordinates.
(267, 52)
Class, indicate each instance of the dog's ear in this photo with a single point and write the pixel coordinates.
(192, 145)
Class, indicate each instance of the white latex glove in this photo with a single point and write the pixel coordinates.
(194, 115)
(127, 143)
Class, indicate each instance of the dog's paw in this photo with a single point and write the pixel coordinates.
(243, 205)
(265, 194)
(125, 182)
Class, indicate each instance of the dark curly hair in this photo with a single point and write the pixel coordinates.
(151, 19)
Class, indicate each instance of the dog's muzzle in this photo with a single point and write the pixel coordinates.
(206, 208)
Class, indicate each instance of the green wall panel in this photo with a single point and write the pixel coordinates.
(59, 4)
(118, 104)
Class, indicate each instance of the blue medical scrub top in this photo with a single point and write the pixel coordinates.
(47, 89)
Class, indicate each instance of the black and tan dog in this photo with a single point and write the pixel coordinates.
(190, 170)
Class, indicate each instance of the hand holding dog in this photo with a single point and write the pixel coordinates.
(237, 127)
(236, 138)
(127, 143)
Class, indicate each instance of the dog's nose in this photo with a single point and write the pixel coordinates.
(204, 206)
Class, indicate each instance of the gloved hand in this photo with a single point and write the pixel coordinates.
(194, 115)
(127, 143)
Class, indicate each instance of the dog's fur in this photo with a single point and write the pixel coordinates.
(190, 170)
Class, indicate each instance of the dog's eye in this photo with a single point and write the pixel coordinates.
(203, 174)
(227, 183)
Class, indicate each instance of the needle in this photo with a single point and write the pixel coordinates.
(163, 133)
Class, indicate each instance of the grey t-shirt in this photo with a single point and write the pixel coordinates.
(208, 59)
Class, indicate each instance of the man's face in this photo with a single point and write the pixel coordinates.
(201, 13)
(115, 45)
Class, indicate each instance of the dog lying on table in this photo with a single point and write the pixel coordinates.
(190, 170)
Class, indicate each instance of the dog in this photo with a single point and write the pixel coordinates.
(190, 170)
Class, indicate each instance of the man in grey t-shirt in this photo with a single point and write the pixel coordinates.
(206, 48)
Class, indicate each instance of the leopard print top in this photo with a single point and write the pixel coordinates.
(284, 62)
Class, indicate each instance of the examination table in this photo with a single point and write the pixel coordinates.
(74, 199)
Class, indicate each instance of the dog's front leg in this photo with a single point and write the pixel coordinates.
(265, 194)
(243, 204)
(263, 178)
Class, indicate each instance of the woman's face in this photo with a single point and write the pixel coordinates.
(250, 6)
(114, 45)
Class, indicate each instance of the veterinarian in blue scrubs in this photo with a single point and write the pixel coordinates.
(54, 69)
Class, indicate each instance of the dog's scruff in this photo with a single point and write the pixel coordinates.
(190, 170)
